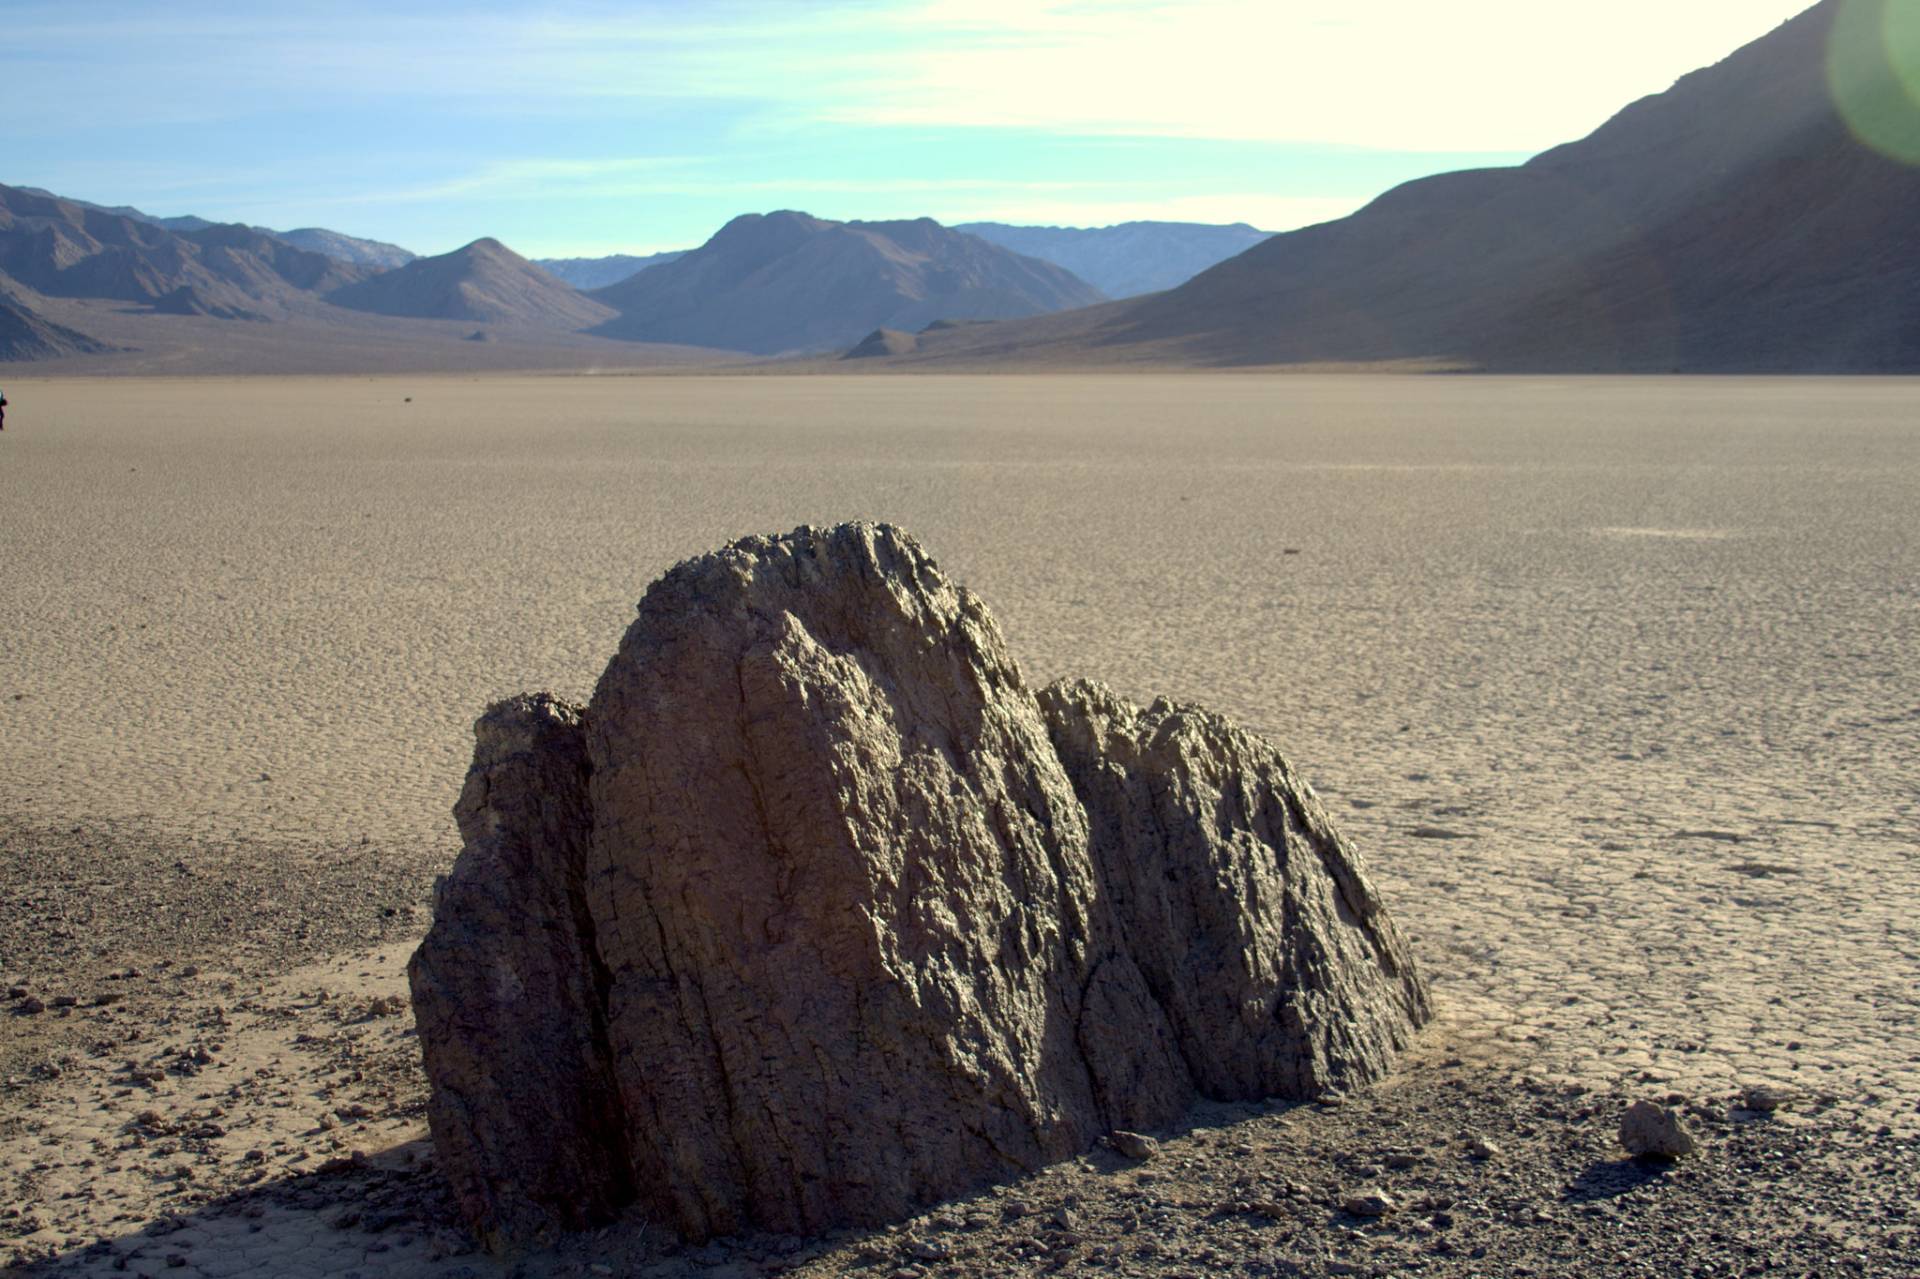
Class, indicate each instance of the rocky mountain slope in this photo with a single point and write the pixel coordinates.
(1742, 220)
(484, 281)
(353, 249)
(64, 249)
(1130, 258)
(788, 281)
(26, 335)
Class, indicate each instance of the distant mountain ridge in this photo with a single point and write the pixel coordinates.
(598, 273)
(1737, 222)
(790, 282)
(334, 244)
(1128, 258)
(346, 248)
(484, 281)
(62, 248)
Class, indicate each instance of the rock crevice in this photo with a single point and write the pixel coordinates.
(821, 915)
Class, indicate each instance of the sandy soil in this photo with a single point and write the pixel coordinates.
(1616, 682)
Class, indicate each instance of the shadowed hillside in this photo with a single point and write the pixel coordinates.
(484, 281)
(25, 335)
(1734, 222)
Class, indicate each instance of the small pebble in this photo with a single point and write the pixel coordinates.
(1371, 1205)
(1650, 1132)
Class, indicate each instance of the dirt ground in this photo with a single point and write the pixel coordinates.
(1614, 682)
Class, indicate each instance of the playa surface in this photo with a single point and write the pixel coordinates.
(1616, 684)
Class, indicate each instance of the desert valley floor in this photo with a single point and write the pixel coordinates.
(1614, 682)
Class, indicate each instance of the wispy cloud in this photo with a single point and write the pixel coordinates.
(518, 180)
(1404, 74)
(1400, 74)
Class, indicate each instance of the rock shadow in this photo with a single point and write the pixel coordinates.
(386, 1214)
(1611, 1178)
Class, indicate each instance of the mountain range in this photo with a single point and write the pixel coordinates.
(61, 248)
(790, 282)
(1757, 216)
(782, 282)
(1127, 259)
(598, 273)
(1121, 261)
(345, 248)
(1736, 222)
(764, 284)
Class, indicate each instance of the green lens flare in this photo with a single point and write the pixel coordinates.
(1873, 71)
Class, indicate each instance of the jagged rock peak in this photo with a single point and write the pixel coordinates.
(830, 917)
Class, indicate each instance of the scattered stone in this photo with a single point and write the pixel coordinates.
(387, 1006)
(1765, 1099)
(1481, 1148)
(1368, 1205)
(1134, 1145)
(30, 1005)
(1649, 1131)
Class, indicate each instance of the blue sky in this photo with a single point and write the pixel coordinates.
(591, 128)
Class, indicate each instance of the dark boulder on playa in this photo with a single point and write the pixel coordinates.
(881, 343)
(818, 914)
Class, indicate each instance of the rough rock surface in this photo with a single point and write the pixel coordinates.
(509, 994)
(1653, 1132)
(1258, 934)
(836, 919)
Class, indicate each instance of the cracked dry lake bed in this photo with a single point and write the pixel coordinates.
(1615, 683)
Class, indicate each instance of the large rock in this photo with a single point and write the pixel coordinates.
(837, 919)
(1259, 936)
